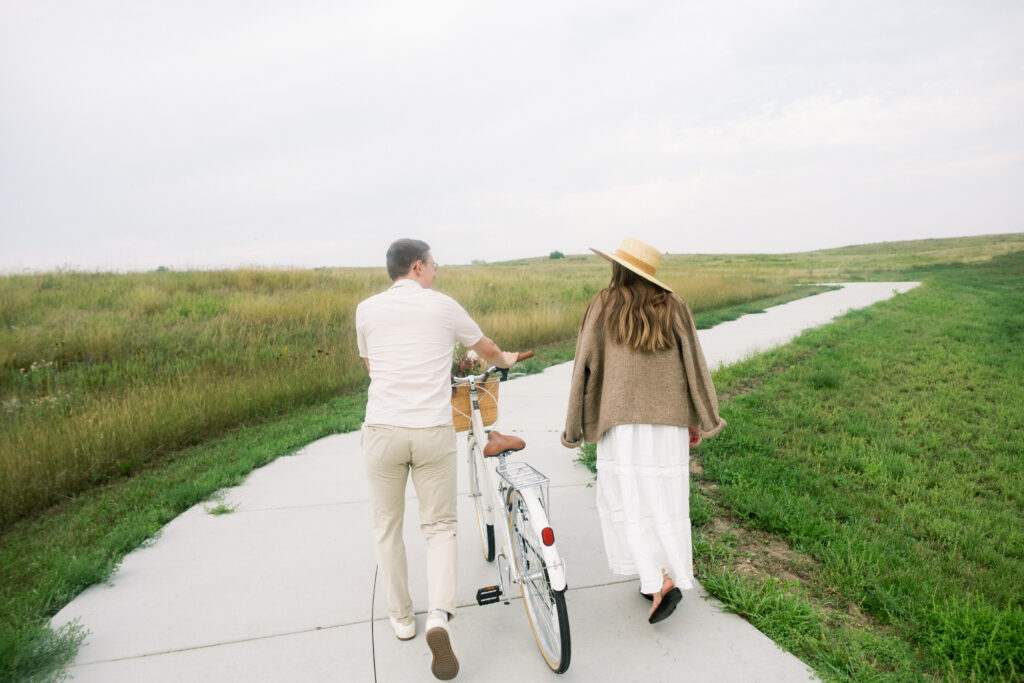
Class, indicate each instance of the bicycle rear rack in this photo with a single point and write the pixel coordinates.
(520, 475)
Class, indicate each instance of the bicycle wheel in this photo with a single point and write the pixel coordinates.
(545, 607)
(486, 530)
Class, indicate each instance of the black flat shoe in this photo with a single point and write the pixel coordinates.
(667, 606)
(646, 596)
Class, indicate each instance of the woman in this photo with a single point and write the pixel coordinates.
(641, 389)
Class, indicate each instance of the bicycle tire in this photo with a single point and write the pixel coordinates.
(486, 530)
(545, 607)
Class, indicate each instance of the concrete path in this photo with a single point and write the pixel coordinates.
(282, 588)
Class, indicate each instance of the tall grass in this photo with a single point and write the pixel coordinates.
(887, 447)
(163, 332)
(101, 373)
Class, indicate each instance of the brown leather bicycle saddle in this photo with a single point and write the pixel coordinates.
(498, 443)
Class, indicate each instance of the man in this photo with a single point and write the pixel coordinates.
(406, 337)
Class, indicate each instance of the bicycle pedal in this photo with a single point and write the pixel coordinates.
(488, 595)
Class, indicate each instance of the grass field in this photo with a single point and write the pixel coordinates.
(105, 379)
(885, 452)
(102, 373)
(80, 352)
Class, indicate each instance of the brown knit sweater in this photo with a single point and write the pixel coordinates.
(614, 384)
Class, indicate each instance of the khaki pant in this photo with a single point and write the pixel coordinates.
(429, 453)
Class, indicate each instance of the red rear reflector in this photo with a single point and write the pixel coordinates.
(548, 536)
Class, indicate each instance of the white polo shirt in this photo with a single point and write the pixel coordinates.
(409, 333)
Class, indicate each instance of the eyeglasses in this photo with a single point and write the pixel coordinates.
(433, 264)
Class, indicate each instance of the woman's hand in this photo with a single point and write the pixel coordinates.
(694, 436)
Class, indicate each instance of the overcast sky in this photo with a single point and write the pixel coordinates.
(188, 134)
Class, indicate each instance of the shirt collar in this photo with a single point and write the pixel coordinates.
(406, 283)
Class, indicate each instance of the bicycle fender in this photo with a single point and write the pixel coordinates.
(552, 561)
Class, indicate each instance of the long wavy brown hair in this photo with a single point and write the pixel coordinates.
(639, 312)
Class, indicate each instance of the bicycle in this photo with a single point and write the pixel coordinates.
(522, 493)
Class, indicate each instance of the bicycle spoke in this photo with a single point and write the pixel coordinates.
(546, 615)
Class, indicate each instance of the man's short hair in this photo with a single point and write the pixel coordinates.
(403, 253)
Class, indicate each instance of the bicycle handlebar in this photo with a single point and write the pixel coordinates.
(493, 370)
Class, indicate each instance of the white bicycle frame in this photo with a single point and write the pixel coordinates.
(497, 481)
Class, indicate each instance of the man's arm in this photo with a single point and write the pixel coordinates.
(489, 351)
(367, 361)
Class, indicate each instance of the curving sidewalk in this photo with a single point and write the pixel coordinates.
(281, 589)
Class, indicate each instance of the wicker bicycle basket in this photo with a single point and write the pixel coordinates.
(488, 396)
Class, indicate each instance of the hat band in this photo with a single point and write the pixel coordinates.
(634, 261)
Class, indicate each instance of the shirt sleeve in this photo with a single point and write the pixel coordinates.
(467, 332)
(361, 332)
(702, 390)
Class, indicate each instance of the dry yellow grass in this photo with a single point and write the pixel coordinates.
(101, 373)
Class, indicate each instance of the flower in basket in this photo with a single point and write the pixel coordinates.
(467, 363)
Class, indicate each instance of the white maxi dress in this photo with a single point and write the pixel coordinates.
(643, 500)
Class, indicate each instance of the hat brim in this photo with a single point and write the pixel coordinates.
(631, 267)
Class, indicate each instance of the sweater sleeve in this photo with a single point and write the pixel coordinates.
(572, 436)
(702, 390)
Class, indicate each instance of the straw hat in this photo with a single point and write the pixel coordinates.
(637, 256)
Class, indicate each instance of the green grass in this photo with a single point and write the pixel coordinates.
(888, 449)
(101, 374)
(122, 336)
(47, 560)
